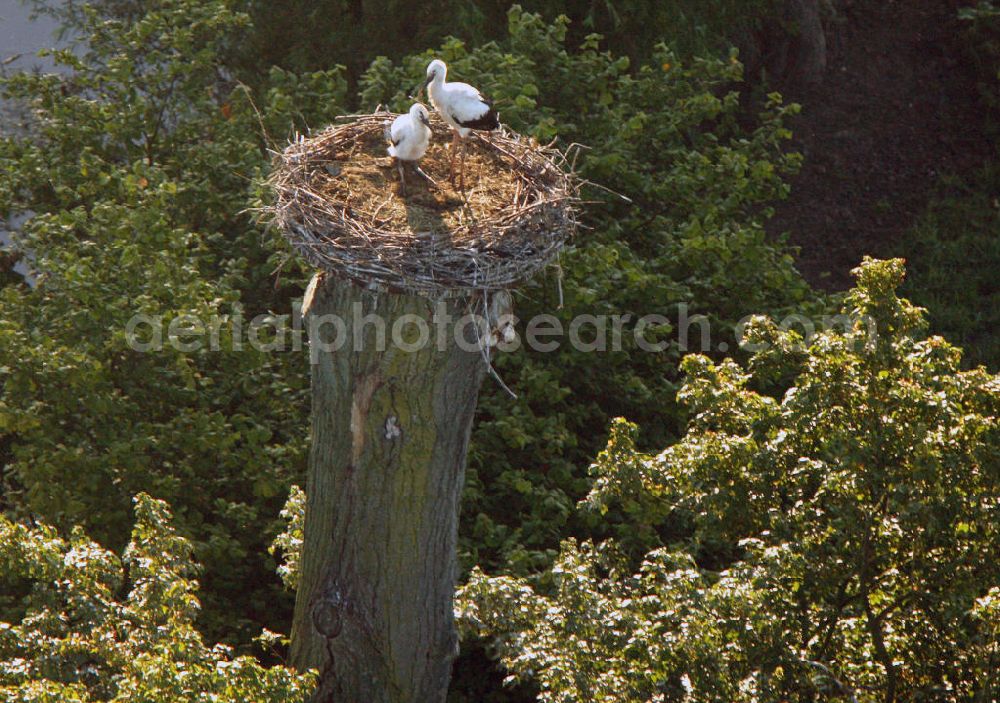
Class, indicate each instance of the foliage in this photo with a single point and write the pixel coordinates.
(289, 542)
(953, 249)
(953, 254)
(333, 32)
(840, 541)
(982, 46)
(672, 138)
(79, 640)
(136, 170)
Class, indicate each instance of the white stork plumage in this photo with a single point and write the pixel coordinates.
(460, 105)
(409, 137)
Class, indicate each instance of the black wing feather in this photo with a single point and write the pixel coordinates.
(489, 120)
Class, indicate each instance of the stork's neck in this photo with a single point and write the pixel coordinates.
(436, 87)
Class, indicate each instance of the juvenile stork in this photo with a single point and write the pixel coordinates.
(463, 107)
(408, 137)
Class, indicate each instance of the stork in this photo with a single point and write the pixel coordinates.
(408, 138)
(464, 109)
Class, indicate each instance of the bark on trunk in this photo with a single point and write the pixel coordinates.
(791, 47)
(390, 430)
(808, 61)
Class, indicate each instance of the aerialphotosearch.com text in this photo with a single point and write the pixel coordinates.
(545, 333)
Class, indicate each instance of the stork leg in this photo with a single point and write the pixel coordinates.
(451, 154)
(402, 177)
(461, 175)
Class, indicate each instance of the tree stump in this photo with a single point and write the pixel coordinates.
(390, 429)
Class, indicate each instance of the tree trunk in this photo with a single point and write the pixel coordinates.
(390, 430)
(791, 47)
(808, 61)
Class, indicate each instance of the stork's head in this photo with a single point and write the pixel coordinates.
(436, 71)
(436, 67)
(419, 112)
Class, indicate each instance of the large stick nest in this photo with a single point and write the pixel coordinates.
(339, 202)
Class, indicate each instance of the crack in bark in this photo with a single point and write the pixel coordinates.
(364, 388)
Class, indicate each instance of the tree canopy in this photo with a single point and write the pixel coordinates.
(838, 540)
(94, 626)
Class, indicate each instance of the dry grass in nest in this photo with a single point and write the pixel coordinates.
(338, 201)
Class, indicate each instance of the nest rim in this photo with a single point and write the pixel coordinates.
(496, 253)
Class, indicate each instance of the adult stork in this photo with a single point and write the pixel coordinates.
(464, 109)
(408, 138)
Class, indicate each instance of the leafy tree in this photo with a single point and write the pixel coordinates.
(354, 33)
(136, 170)
(840, 540)
(79, 640)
